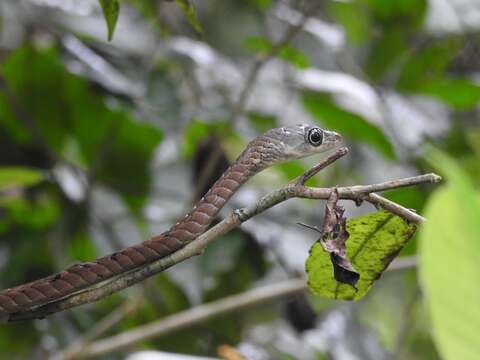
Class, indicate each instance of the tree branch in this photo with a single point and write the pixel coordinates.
(201, 313)
(294, 189)
(100, 328)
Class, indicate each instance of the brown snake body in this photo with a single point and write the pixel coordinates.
(276, 145)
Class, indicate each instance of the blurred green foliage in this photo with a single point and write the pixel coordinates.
(55, 115)
(17, 176)
(110, 10)
(93, 135)
(348, 123)
(449, 261)
(188, 8)
(288, 53)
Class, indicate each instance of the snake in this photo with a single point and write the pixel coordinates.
(275, 146)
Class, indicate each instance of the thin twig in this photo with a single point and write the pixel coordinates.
(301, 180)
(393, 207)
(358, 191)
(205, 312)
(197, 246)
(100, 328)
(194, 315)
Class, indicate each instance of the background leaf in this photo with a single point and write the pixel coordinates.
(375, 239)
(45, 76)
(392, 24)
(429, 62)
(18, 176)
(188, 8)
(450, 266)
(109, 139)
(461, 94)
(347, 123)
(288, 53)
(130, 147)
(110, 9)
(354, 19)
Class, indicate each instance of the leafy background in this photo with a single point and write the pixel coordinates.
(104, 143)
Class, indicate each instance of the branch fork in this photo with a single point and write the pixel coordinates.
(301, 180)
(295, 189)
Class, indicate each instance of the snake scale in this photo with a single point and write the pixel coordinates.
(275, 146)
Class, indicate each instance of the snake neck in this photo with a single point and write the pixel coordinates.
(202, 214)
(77, 277)
(258, 155)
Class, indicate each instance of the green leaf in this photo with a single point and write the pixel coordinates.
(106, 140)
(394, 23)
(188, 8)
(18, 176)
(461, 94)
(347, 123)
(449, 266)
(353, 17)
(110, 10)
(411, 198)
(412, 11)
(261, 4)
(385, 52)
(45, 75)
(36, 214)
(288, 53)
(294, 56)
(126, 155)
(258, 44)
(115, 147)
(427, 63)
(375, 239)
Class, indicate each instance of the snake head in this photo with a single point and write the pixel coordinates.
(300, 141)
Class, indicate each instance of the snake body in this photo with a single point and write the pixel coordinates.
(275, 146)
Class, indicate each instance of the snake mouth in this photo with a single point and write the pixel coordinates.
(338, 138)
(332, 138)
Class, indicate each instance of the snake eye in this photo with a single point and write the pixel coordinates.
(315, 136)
